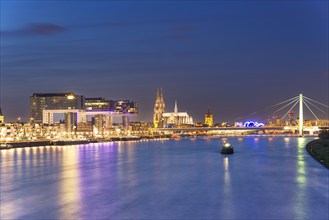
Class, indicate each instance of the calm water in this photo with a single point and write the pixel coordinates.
(186, 179)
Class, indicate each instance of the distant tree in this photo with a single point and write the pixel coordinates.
(324, 134)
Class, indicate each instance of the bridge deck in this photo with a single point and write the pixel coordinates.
(219, 128)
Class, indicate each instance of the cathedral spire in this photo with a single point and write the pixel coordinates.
(2, 118)
(158, 95)
(159, 109)
(176, 108)
(161, 95)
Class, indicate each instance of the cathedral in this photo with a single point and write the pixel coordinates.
(176, 117)
(162, 119)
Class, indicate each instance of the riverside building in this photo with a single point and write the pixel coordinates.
(52, 101)
(78, 111)
(176, 118)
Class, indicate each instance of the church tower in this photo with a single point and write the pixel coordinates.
(159, 109)
(208, 118)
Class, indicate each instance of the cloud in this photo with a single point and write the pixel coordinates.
(168, 37)
(177, 28)
(36, 29)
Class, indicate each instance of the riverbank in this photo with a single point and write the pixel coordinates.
(319, 150)
(21, 144)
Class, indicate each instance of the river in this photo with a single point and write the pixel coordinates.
(267, 177)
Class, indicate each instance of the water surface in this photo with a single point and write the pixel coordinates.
(267, 177)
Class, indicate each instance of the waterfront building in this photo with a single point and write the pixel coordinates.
(176, 118)
(159, 109)
(2, 117)
(76, 108)
(78, 111)
(238, 124)
(124, 107)
(114, 106)
(105, 109)
(52, 101)
(278, 121)
(320, 123)
(291, 118)
(98, 104)
(85, 127)
(208, 118)
(140, 127)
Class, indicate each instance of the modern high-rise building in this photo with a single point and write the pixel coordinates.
(98, 104)
(208, 118)
(43, 107)
(53, 101)
(124, 107)
(159, 109)
(115, 106)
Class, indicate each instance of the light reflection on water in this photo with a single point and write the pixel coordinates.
(300, 179)
(165, 180)
(69, 188)
(227, 197)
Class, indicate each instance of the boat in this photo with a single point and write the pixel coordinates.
(176, 137)
(5, 146)
(227, 148)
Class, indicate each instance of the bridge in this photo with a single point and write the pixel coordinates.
(191, 129)
(310, 129)
(301, 100)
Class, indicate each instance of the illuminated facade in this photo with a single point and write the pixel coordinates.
(291, 118)
(176, 118)
(208, 118)
(112, 106)
(124, 107)
(2, 117)
(53, 101)
(159, 109)
(97, 104)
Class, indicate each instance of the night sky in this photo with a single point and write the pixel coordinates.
(234, 57)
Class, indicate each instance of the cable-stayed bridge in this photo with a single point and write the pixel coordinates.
(313, 106)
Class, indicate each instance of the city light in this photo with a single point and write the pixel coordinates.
(251, 124)
(70, 97)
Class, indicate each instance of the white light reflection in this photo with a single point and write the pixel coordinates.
(286, 142)
(69, 185)
(300, 180)
(227, 188)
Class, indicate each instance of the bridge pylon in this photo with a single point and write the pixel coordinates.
(301, 118)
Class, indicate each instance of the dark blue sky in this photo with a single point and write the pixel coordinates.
(234, 57)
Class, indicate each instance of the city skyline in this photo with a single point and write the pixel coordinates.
(221, 56)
